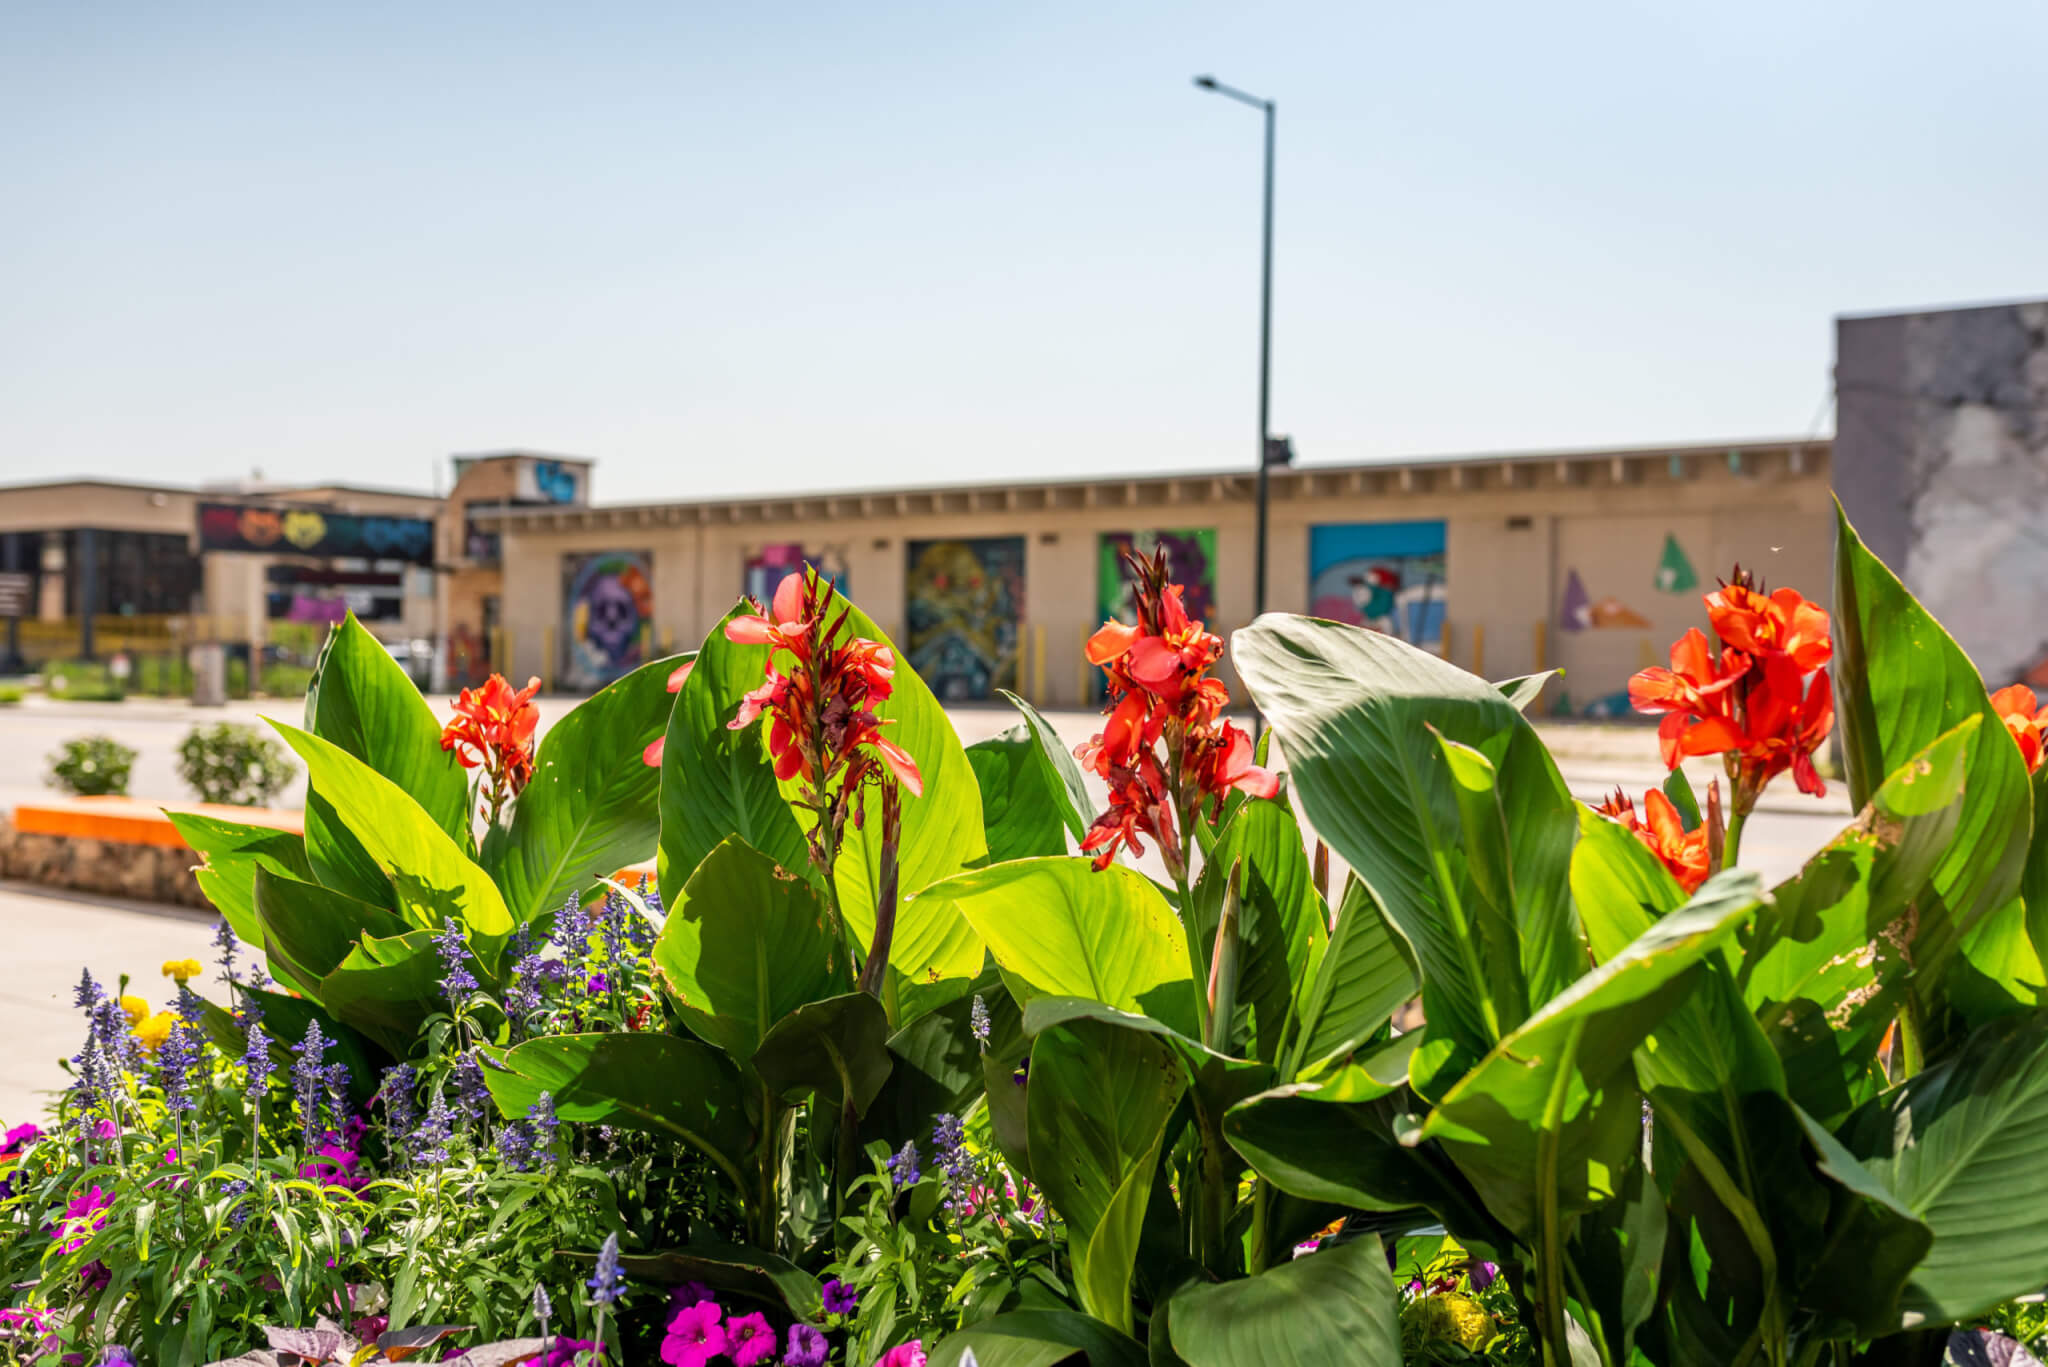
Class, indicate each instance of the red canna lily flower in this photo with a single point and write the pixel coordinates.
(1159, 689)
(822, 728)
(2025, 720)
(493, 729)
(1683, 854)
(1752, 700)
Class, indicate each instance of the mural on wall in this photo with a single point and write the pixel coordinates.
(1578, 611)
(1190, 560)
(1941, 460)
(769, 566)
(1674, 571)
(607, 615)
(963, 601)
(1385, 575)
(549, 481)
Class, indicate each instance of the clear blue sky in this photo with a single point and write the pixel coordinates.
(736, 248)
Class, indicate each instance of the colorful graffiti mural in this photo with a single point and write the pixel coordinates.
(1579, 612)
(769, 566)
(963, 601)
(607, 615)
(1674, 571)
(1190, 559)
(1385, 575)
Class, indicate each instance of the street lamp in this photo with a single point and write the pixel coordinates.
(1210, 83)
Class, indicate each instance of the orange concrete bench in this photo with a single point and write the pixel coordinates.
(132, 821)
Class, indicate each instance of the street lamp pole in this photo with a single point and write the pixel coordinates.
(1210, 83)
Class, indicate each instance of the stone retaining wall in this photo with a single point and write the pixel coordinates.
(150, 873)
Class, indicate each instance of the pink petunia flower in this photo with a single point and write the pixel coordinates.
(695, 1336)
(909, 1354)
(749, 1341)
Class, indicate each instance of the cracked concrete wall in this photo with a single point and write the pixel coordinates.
(1941, 460)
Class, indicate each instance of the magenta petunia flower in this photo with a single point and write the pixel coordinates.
(82, 1217)
(695, 1336)
(909, 1354)
(749, 1341)
(687, 1295)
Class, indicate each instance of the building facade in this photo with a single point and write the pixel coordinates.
(1589, 561)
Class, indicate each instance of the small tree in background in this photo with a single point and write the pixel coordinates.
(234, 764)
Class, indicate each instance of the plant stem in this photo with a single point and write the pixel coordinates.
(1732, 843)
(1262, 1198)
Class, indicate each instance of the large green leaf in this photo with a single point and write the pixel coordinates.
(835, 1049)
(1334, 1308)
(2034, 878)
(387, 988)
(1099, 1100)
(1075, 806)
(942, 830)
(232, 853)
(285, 1021)
(745, 944)
(1367, 972)
(1545, 1123)
(1826, 966)
(750, 1272)
(1020, 799)
(314, 928)
(1282, 923)
(1059, 928)
(433, 878)
(362, 702)
(1350, 1154)
(659, 1084)
(717, 782)
(937, 1063)
(593, 806)
(1039, 1338)
(1963, 1146)
(1854, 1285)
(1900, 682)
(1354, 711)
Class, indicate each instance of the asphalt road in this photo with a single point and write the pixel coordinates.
(51, 936)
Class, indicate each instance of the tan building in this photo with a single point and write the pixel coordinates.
(1589, 561)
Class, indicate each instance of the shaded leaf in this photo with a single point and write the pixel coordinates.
(1334, 1307)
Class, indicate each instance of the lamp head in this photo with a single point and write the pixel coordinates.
(1206, 82)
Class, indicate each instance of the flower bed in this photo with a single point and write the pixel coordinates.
(898, 1059)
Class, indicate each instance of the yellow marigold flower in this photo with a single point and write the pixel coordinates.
(152, 1031)
(183, 969)
(135, 1008)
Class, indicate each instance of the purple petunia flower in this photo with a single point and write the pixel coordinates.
(840, 1299)
(1483, 1275)
(687, 1295)
(806, 1347)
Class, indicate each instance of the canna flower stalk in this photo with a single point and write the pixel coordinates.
(1160, 691)
(2025, 720)
(819, 692)
(1684, 854)
(492, 730)
(1757, 693)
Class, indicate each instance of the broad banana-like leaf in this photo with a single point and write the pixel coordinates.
(1545, 1123)
(1334, 1308)
(313, 928)
(430, 873)
(594, 804)
(1060, 928)
(716, 782)
(835, 1049)
(1900, 682)
(745, 944)
(1354, 711)
(1364, 975)
(1963, 1146)
(1038, 1338)
(387, 988)
(1283, 925)
(1020, 796)
(232, 853)
(658, 1084)
(1074, 805)
(1099, 1100)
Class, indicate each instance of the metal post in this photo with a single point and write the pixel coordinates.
(88, 589)
(1265, 365)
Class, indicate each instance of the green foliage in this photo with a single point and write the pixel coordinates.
(92, 766)
(11, 693)
(234, 765)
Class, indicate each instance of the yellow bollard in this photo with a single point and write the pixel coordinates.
(1038, 667)
(1021, 665)
(497, 650)
(1444, 651)
(1479, 649)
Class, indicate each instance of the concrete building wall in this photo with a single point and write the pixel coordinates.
(1517, 534)
(1943, 467)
